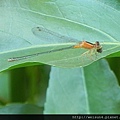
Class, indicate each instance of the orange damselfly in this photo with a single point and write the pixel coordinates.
(96, 47)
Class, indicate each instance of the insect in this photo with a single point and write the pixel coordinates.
(39, 31)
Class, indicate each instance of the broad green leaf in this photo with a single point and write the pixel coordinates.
(4, 88)
(92, 20)
(21, 109)
(89, 90)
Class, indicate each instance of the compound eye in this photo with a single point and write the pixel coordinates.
(97, 43)
(99, 50)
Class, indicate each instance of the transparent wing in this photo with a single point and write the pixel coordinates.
(50, 36)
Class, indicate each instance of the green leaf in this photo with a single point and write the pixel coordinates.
(92, 89)
(4, 88)
(84, 19)
(21, 109)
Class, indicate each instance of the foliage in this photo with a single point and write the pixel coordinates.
(90, 88)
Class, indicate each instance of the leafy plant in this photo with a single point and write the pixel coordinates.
(91, 87)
